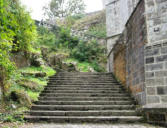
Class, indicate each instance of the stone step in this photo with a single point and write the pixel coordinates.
(82, 88)
(85, 113)
(84, 74)
(89, 90)
(85, 98)
(84, 119)
(81, 78)
(83, 94)
(83, 82)
(82, 107)
(85, 102)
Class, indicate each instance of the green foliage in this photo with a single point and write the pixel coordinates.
(66, 40)
(46, 37)
(87, 51)
(6, 36)
(98, 31)
(17, 31)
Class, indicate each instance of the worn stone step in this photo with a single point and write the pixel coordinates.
(84, 85)
(81, 78)
(43, 102)
(84, 74)
(82, 88)
(85, 98)
(84, 91)
(83, 94)
(83, 119)
(82, 107)
(85, 113)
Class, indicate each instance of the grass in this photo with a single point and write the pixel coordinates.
(49, 71)
(81, 66)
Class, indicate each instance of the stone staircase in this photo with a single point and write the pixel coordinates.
(84, 97)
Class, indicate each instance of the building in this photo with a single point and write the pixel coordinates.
(137, 50)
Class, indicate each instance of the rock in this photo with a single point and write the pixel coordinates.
(40, 74)
(13, 106)
(91, 69)
(57, 59)
(70, 67)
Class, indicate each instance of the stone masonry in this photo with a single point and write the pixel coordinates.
(144, 34)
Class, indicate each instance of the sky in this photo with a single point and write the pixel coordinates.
(35, 6)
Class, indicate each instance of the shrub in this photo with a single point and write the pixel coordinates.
(66, 40)
(46, 37)
(17, 32)
(87, 51)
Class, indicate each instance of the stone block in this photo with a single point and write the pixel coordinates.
(149, 60)
(160, 73)
(149, 74)
(164, 50)
(153, 99)
(152, 52)
(155, 82)
(162, 90)
(153, 67)
(164, 99)
(151, 90)
(161, 58)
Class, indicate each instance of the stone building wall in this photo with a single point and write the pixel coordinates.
(156, 51)
(135, 41)
(120, 61)
(145, 36)
(156, 73)
(117, 14)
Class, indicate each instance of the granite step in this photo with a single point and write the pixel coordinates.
(85, 98)
(85, 113)
(85, 119)
(46, 102)
(83, 94)
(82, 107)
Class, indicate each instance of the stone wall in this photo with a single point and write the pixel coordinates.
(120, 63)
(156, 73)
(20, 60)
(135, 40)
(145, 36)
(156, 16)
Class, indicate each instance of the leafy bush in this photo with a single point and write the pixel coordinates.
(66, 40)
(98, 31)
(87, 51)
(17, 32)
(46, 37)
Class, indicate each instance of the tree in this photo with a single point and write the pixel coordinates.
(64, 8)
